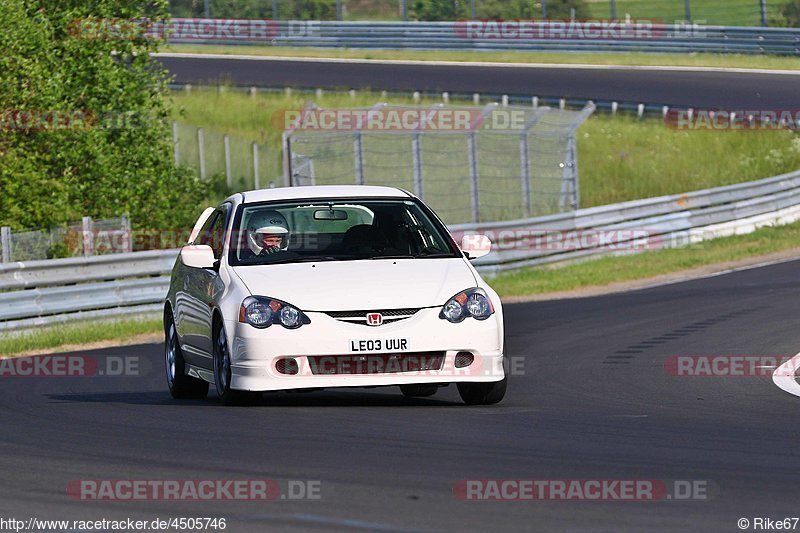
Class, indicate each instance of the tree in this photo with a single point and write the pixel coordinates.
(84, 127)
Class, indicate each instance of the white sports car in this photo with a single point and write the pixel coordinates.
(330, 286)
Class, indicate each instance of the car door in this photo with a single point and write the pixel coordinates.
(206, 285)
(180, 279)
(202, 285)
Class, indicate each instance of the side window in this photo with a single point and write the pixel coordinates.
(204, 237)
(213, 233)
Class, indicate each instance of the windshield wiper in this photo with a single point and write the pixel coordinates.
(410, 256)
(301, 259)
(399, 256)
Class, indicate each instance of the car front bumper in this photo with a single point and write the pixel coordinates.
(326, 353)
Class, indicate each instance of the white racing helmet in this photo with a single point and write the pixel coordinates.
(266, 223)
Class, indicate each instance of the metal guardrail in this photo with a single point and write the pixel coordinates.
(481, 35)
(629, 227)
(49, 292)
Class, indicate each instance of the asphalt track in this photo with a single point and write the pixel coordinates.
(684, 88)
(590, 400)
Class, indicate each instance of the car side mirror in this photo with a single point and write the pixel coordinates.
(476, 245)
(198, 256)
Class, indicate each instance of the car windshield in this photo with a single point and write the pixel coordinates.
(337, 230)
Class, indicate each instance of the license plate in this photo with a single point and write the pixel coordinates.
(378, 345)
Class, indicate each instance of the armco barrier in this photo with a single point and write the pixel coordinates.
(661, 222)
(46, 292)
(674, 38)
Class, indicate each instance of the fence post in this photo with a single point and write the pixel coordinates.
(688, 9)
(524, 160)
(256, 179)
(404, 10)
(473, 176)
(201, 153)
(5, 243)
(525, 174)
(228, 178)
(613, 9)
(88, 237)
(416, 159)
(128, 239)
(358, 154)
(175, 150)
(764, 13)
(286, 150)
(544, 9)
(569, 177)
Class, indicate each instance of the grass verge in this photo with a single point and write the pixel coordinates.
(79, 333)
(567, 58)
(608, 270)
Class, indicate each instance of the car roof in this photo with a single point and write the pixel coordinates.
(323, 191)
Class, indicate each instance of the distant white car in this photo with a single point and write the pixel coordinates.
(331, 286)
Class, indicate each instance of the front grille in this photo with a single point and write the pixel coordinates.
(360, 317)
(376, 363)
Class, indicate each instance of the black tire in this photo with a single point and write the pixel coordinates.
(419, 391)
(222, 371)
(483, 393)
(181, 385)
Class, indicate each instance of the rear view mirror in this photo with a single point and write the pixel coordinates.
(330, 214)
(476, 245)
(199, 256)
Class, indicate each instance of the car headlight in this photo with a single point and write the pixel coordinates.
(262, 311)
(471, 302)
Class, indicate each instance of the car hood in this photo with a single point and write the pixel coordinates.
(360, 285)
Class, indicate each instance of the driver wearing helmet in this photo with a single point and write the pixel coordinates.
(267, 233)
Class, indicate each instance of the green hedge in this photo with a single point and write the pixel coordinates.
(84, 131)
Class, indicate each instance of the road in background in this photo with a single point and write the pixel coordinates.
(684, 88)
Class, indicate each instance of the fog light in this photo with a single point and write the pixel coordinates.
(464, 359)
(287, 366)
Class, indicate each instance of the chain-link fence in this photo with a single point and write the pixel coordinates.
(88, 237)
(243, 164)
(470, 164)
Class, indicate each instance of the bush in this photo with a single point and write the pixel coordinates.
(791, 13)
(497, 9)
(439, 9)
(256, 9)
(84, 131)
